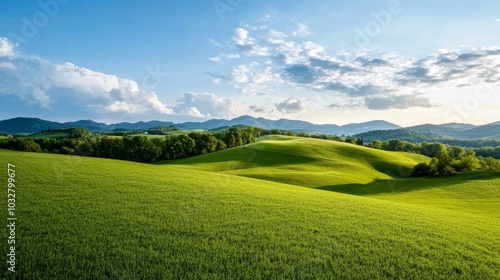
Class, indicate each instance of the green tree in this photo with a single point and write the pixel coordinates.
(376, 144)
(31, 146)
(467, 161)
(183, 146)
(351, 140)
(220, 145)
(433, 149)
(394, 145)
(81, 133)
(489, 163)
(456, 152)
(360, 142)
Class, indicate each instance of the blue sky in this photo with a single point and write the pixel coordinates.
(408, 62)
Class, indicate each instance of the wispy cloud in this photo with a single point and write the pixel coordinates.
(291, 106)
(258, 109)
(248, 44)
(302, 30)
(384, 82)
(265, 18)
(222, 56)
(398, 102)
(214, 42)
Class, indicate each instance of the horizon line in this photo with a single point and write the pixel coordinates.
(231, 119)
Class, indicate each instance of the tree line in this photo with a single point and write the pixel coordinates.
(137, 148)
(445, 160)
(415, 136)
(493, 152)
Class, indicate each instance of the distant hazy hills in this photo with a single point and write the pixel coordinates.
(431, 132)
(465, 131)
(373, 130)
(33, 125)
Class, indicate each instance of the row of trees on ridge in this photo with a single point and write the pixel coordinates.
(137, 148)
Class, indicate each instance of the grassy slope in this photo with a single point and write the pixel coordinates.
(351, 169)
(477, 192)
(288, 159)
(95, 218)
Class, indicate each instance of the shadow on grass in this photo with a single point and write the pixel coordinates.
(401, 185)
(243, 155)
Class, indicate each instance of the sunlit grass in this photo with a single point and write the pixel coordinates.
(306, 162)
(85, 218)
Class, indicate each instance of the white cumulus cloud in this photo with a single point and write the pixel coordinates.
(6, 47)
(248, 44)
(204, 105)
(55, 87)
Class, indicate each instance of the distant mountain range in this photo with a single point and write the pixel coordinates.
(431, 132)
(33, 125)
(369, 130)
(465, 131)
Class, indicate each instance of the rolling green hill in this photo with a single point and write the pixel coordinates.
(306, 162)
(87, 218)
(351, 169)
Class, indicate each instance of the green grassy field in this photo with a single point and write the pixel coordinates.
(355, 170)
(214, 216)
(476, 192)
